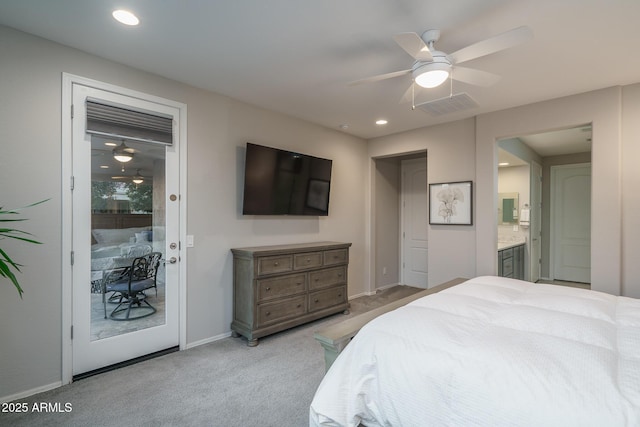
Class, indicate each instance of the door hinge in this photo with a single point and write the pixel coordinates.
(72, 111)
(71, 331)
(72, 182)
(72, 257)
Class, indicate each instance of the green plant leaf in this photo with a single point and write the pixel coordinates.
(6, 263)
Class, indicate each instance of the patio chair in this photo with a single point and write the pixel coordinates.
(130, 288)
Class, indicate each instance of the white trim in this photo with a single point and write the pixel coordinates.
(31, 392)
(208, 340)
(67, 296)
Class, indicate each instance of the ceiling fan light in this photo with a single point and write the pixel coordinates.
(138, 180)
(432, 74)
(432, 78)
(123, 158)
(121, 154)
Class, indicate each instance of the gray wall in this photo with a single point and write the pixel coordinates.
(450, 157)
(387, 221)
(218, 128)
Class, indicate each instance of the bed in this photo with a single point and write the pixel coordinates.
(491, 351)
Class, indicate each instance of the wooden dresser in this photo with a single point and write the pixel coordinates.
(279, 287)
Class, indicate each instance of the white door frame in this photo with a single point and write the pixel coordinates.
(67, 295)
(535, 220)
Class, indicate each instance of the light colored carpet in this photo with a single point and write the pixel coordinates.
(224, 383)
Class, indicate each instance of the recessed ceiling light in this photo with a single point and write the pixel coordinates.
(381, 122)
(503, 164)
(125, 17)
(344, 126)
(110, 144)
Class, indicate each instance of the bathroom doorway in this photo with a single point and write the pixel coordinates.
(525, 165)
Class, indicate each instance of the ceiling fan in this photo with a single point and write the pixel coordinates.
(432, 67)
(136, 179)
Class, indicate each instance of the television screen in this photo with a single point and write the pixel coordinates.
(279, 182)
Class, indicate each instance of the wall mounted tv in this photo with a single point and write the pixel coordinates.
(279, 182)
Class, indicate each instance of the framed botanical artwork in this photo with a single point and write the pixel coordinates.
(451, 203)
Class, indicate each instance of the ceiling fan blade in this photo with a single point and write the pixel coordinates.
(380, 77)
(411, 93)
(414, 46)
(492, 45)
(474, 77)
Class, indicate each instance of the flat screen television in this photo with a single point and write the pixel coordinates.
(279, 182)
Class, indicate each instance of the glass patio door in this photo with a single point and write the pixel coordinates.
(125, 206)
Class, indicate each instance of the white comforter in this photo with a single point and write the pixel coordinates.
(491, 352)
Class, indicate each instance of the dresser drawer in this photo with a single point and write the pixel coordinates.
(275, 264)
(336, 256)
(307, 260)
(328, 277)
(507, 267)
(273, 312)
(327, 298)
(507, 253)
(281, 286)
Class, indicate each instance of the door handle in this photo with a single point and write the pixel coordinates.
(173, 260)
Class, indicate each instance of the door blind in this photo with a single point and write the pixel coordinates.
(124, 123)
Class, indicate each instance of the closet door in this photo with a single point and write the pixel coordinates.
(571, 222)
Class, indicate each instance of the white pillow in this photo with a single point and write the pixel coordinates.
(142, 237)
(116, 235)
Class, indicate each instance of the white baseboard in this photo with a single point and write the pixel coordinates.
(382, 288)
(31, 392)
(57, 384)
(370, 293)
(208, 340)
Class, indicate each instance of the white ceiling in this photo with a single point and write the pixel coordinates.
(297, 57)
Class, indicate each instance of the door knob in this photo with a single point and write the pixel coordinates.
(173, 260)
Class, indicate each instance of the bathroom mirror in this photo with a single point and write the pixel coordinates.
(508, 208)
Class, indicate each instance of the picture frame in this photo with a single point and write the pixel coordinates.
(451, 203)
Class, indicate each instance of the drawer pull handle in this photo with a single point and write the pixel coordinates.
(275, 263)
(299, 305)
(299, 283)
(268, 288)
(317, 279)
(268, 313)
(308, 259)
(339, 274)
(315, 300)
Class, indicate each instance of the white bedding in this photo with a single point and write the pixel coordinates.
(491, 352)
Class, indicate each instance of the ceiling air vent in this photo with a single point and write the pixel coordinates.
(447, 105)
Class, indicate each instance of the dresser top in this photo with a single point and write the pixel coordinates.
(289, 248)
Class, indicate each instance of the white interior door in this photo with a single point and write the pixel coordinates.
(114, 220)
(571, 222)
(415, 219)
(535, 221)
